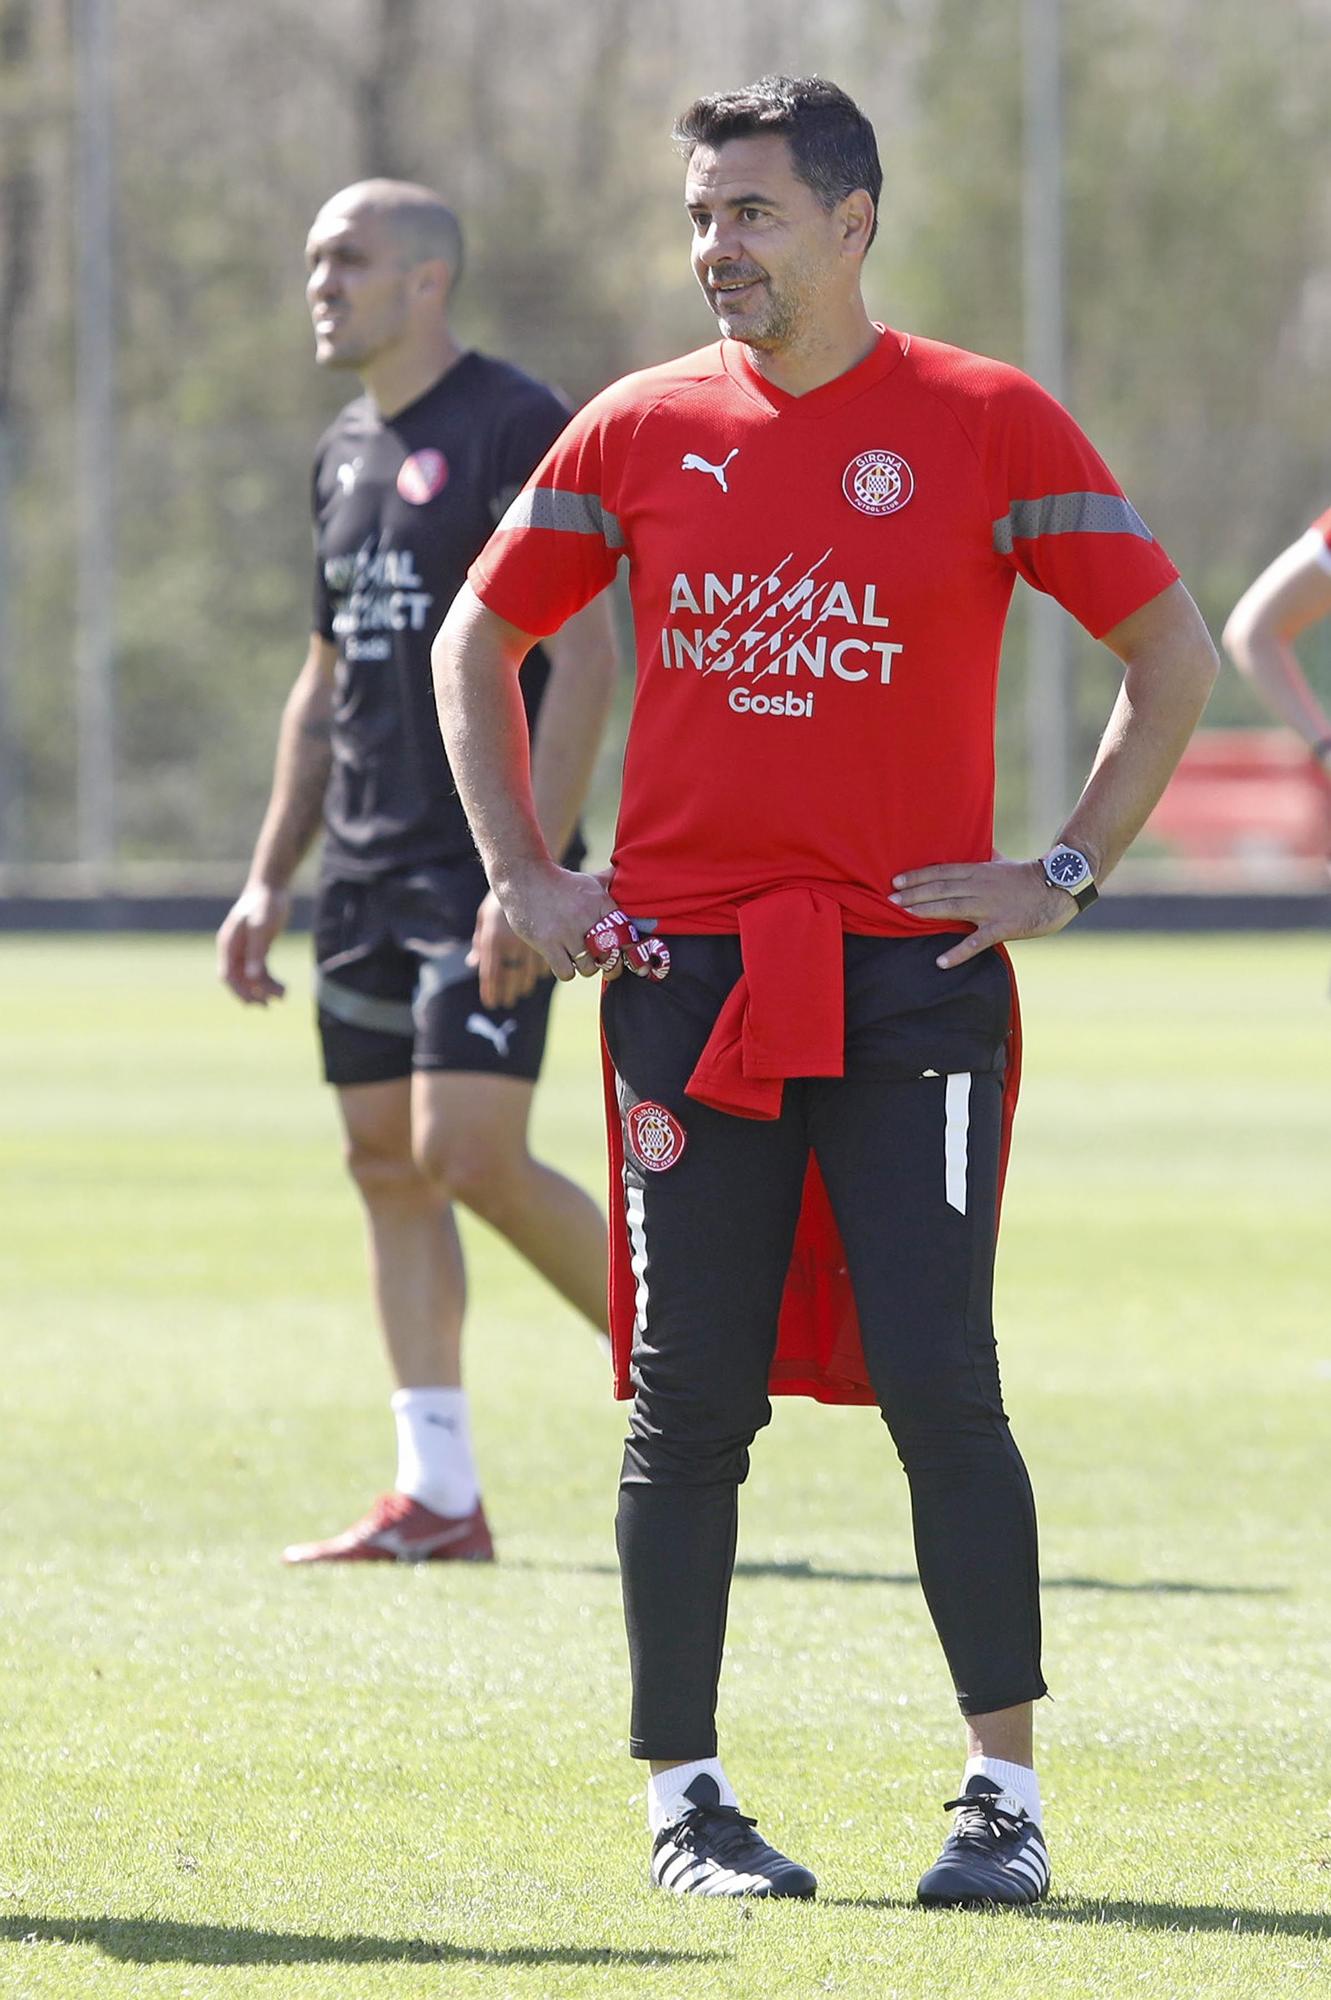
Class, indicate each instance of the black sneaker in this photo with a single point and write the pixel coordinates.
(715, 1851)
(995, 1853)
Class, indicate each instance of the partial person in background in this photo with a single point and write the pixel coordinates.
(1291, 594)
(432, 1011)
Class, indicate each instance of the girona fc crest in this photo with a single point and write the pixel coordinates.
(421, 475)
(878, 482)
(656, 1137)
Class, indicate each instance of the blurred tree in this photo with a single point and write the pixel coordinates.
(1199, 282)
(388, 142)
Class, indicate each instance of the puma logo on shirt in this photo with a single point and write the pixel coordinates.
(691, 462)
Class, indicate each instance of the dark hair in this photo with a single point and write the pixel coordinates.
(832, 143)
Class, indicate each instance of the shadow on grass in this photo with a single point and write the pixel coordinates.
(148, 1941)
(803, 1571)
(1148, 1587)
(1231, 1918)
(1165, 1587)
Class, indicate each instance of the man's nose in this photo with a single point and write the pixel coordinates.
(718, 244)
(320, 283)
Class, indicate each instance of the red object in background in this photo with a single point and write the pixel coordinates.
(1245, 795)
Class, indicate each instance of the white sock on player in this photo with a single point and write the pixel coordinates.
(665, 1792)
(434, 1456)
(1018, 1778)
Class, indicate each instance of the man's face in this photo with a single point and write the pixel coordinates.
(358, 289)
(765, 250)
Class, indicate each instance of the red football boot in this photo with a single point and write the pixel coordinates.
(399, 1529)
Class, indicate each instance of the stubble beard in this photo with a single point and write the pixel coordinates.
(355, 351)
(329, 354)
(772, 327)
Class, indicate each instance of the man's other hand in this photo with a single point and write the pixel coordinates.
(253, 921)
(509, 967)
(1003, 899)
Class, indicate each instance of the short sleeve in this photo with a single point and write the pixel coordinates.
(560, 540)
(322, 612)
(1060, 518)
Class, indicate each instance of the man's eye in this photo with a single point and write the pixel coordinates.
(750, 214)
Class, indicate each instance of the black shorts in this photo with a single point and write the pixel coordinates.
(393, 987)
(908, 1141)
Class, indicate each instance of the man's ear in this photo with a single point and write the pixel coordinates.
(857, 219)
(432, 278)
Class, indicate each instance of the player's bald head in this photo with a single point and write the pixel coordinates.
(423, 227)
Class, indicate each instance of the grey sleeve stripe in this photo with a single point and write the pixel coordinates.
(1068, 514)
(567, 513)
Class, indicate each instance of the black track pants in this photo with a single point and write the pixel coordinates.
(910, 1164)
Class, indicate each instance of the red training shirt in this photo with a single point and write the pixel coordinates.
(819, 588)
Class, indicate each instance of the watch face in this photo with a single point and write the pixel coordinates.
(1067, 868)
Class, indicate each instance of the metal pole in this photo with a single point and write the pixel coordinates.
(8, 757)
(94, 439)
(1048, 721)
(18, 232)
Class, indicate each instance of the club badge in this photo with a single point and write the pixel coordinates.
(421, 475)
(878, 482)
(656, 1137)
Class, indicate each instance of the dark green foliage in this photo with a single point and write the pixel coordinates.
(1199, 281)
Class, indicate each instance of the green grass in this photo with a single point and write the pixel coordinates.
(221, 1779)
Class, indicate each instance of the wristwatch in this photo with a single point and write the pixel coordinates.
(1067, 868)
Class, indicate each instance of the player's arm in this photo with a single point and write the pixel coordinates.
(1293, 593)
(569, 729)
(1169, 669)
(476, 658)
(295, 808)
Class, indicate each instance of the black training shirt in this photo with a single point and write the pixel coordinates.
(401, 507)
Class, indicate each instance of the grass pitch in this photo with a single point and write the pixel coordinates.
(218, 1778)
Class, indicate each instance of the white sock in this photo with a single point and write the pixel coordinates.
(434, 1456)
(665, 1792)
(1018, 1778)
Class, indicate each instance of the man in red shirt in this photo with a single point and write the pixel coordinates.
(823, 521)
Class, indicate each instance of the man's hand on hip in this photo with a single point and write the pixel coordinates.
(1003, 899)
(553, 909)
(253, 921)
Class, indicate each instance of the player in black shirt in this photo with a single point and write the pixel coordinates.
(432, 1012)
